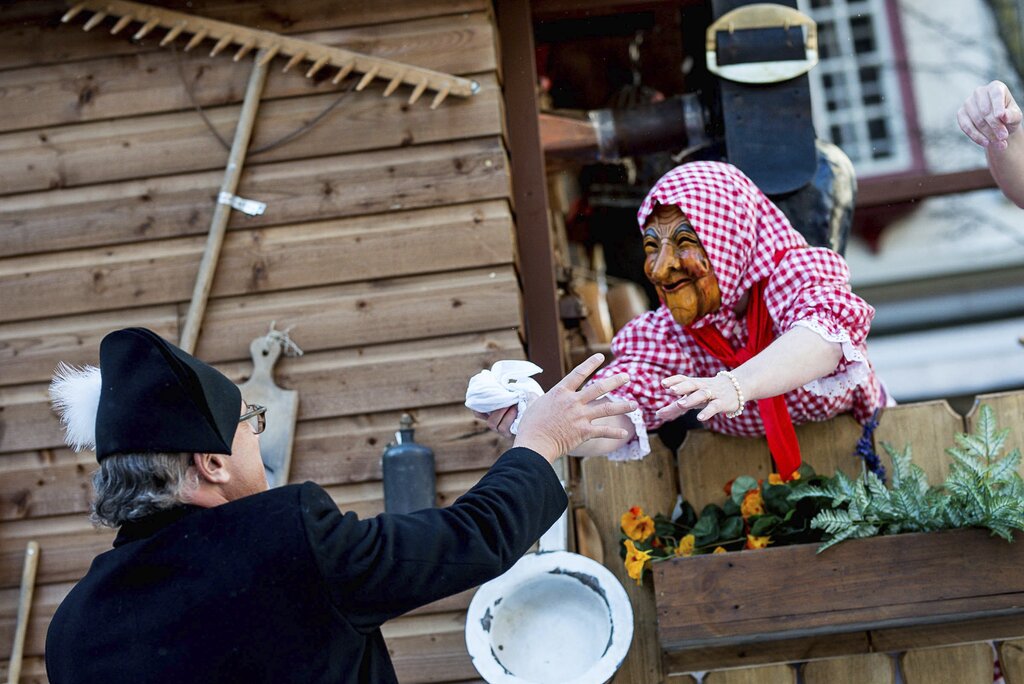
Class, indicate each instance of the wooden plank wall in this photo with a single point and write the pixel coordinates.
(387, 243)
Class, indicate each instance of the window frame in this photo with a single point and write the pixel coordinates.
(889, 57)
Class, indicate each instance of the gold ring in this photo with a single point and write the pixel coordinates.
(708, 394)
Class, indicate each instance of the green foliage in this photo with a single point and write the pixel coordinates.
(982, 490)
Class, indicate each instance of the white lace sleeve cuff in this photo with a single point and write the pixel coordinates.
(856, 372)
(639, 446)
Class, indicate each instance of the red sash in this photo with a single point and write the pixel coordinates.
(778, 426)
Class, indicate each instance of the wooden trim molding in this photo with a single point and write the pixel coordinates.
(889, 190)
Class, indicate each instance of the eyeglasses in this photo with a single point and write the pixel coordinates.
(256, 417)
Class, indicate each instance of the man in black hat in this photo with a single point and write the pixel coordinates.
(213, 578)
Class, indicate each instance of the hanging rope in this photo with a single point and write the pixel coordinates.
(301, 130)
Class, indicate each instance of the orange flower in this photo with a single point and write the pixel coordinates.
(636, 525)
(752, 504)
(719, 549)
(757, 542)
(636, 560)
(776, 479)
(685, 547)
(728, 487)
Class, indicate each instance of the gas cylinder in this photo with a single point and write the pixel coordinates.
(408, 468)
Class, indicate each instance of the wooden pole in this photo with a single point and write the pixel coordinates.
(28, 584)
(610, 489)
(529, 190)
(218, 226)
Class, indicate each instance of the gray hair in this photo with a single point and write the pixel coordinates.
(132, 486)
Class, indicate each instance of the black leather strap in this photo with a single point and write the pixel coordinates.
(769, 133)
(759, 45)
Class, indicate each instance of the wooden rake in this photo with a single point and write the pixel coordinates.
(244, 40)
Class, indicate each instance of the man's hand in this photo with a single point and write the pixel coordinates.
(990, 116)
(562, 419)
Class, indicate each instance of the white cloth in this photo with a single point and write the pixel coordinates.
(505, 384)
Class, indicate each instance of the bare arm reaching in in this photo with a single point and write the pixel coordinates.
(992, 118)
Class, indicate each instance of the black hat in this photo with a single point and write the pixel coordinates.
(153, 397)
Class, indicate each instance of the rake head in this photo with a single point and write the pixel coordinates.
(243, 40)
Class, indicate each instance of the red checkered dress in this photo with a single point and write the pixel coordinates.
(741, 231)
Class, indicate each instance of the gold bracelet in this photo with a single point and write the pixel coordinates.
(739, 393)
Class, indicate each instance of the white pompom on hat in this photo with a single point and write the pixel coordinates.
(75, 393)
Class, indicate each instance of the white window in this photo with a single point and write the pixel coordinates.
(855, 89)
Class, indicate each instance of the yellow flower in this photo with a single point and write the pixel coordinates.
(719, 549)
(757, 542)
(636, 525)
(685, 547)
(752, 504)
(635, 561)
(776, 479)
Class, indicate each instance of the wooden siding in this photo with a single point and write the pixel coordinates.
(388, 243)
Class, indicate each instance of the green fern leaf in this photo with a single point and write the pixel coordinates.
(1001, 469)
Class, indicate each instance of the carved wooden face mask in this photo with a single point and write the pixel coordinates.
(678, 266)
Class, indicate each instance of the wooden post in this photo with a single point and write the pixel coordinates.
(877, 668)
(766, 674)
(1011, 660)
(929, 427)
(948, 665)
(533, 230)
(610, 489)
(1008, 408)
(28, 584)
(221, 214)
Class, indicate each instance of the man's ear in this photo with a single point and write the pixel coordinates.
(212, 468)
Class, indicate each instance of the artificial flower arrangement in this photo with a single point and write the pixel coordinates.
(754, 515)
(982, 490)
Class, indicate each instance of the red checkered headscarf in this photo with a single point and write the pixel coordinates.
(738, 226)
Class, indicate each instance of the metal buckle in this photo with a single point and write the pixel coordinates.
(760, 16)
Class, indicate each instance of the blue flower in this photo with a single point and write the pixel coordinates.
(866, 450)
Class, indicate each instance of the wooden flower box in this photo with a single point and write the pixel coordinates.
(930, 598)
(750, 597)
(879, 595)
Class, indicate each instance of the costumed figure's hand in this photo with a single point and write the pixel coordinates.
(500, 421)
(716, 395)
(499, 395)
(563, 418)
(990, 115)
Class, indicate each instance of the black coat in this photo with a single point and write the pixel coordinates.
(283, 587)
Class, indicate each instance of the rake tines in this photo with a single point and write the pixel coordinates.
(244, 40)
